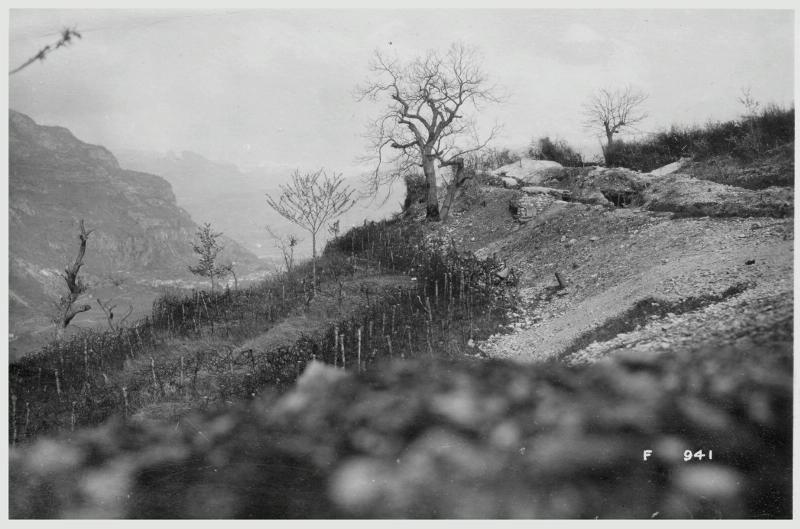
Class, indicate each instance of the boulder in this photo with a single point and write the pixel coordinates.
(509, 181)
(691, 197)
(617, 185)
(593, 197)
(531, 172)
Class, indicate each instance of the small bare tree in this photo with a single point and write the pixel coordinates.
(229, 268)
(334, 229)
(65, 307)
(425, 121)
(208, 248)
(286, 244)
(108, 310)
(610, 112)
(310, 200)
(749, 103)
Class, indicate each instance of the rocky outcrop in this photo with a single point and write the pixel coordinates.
(687, 196)
(531, 172)
(509, 182)
(618, 186)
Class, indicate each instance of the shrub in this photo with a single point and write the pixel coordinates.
(557, 151)
(747, 139)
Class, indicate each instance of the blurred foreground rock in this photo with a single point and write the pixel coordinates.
(488, 439)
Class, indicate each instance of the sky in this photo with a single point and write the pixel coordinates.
(276, 88)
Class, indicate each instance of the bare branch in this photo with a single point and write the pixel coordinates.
(108, 310)
(67, 34)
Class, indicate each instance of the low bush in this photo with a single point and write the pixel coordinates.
(747, 140)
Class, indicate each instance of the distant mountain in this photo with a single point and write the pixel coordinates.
(54, 180)
(235, 201)
(216, 192)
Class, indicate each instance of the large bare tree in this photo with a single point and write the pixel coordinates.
(426, 121)
(310, 201)
(613, 111)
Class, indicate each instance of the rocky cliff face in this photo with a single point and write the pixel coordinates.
(219, 193)
(55, 180)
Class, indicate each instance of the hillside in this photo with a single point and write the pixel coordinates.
(673, 332)
(140, 234)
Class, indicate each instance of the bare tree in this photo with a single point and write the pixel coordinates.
(748, 102)
(229, 268)
(66, 309)
(208, 248)
(286, 244)
(310, 200)
(425, 121)
(108, 310)
(611, 112)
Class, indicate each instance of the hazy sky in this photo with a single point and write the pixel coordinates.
(276, 87)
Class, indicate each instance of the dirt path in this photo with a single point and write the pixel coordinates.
(326, 308)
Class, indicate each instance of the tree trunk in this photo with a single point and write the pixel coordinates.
(452, 190)
(74, 286)
(432, 200)
(609, 142)
(314, 262)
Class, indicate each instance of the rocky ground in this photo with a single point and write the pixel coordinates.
(671, 334)
(637, 275)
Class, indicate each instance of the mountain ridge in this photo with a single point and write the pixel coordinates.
(140, 232)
